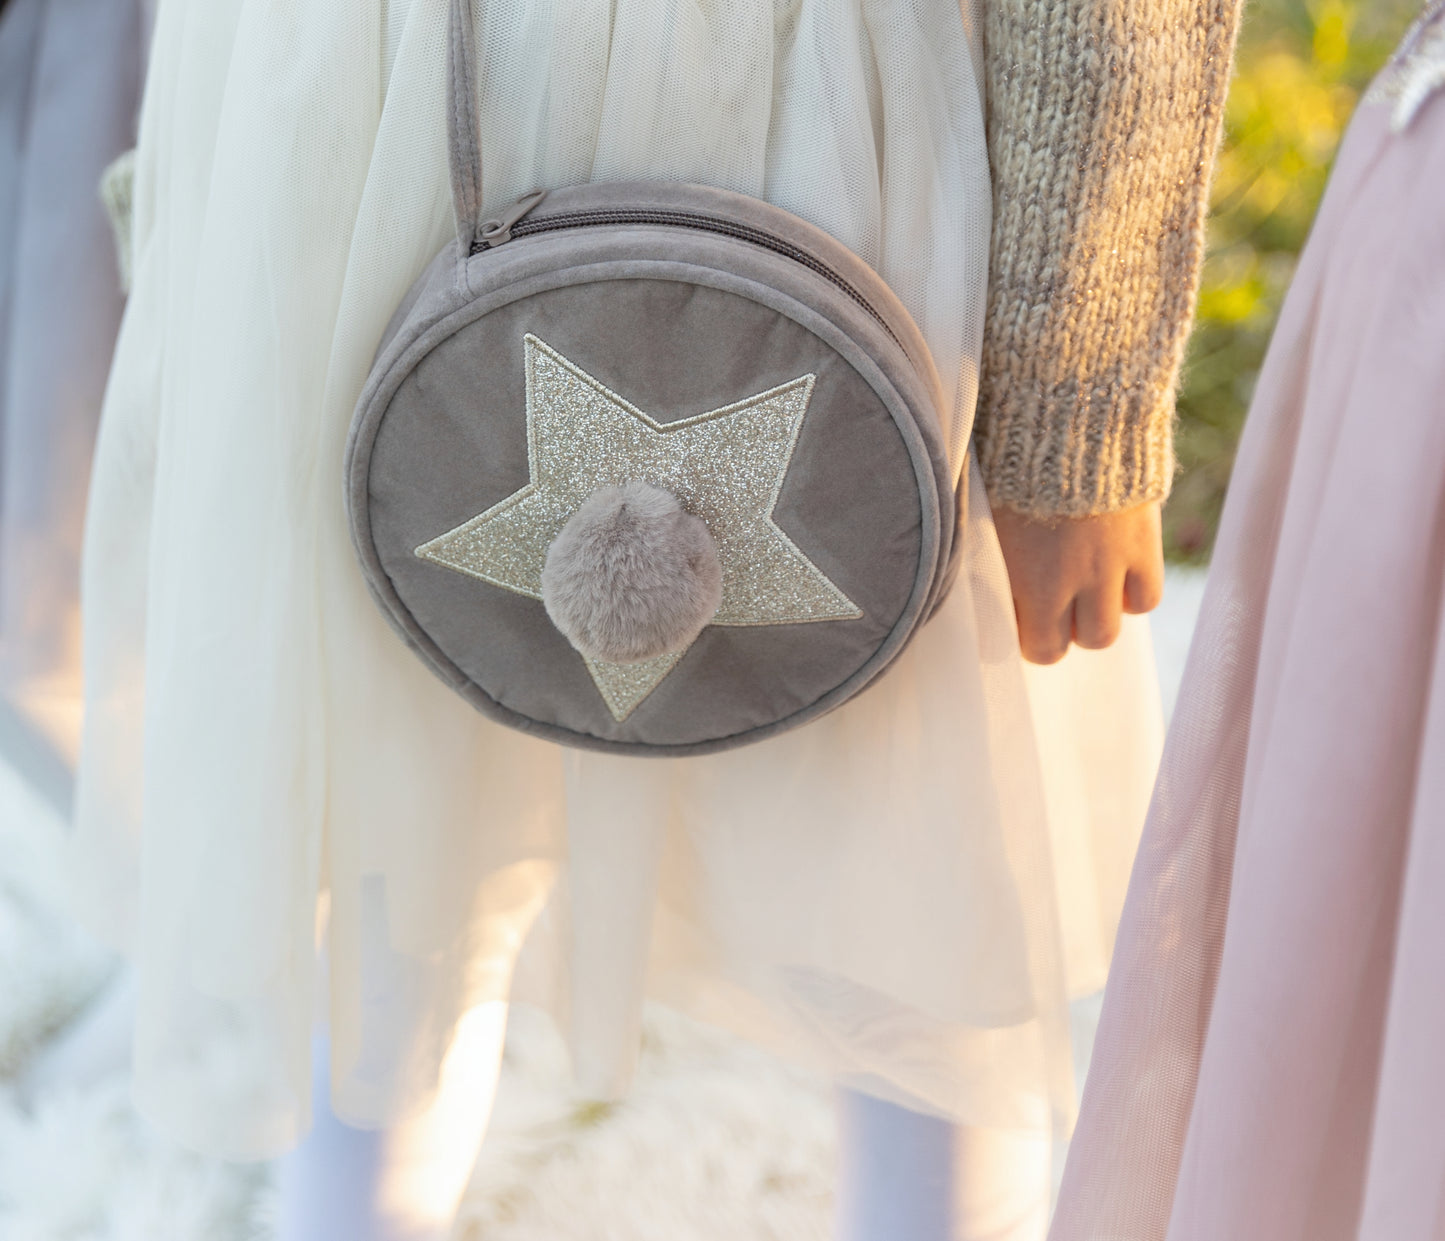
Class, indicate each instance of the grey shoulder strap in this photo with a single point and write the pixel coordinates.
(464, 148)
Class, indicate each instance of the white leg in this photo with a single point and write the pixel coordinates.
(895, 1178)
(1002, 1184)
(905, 1176)
(403, 1183)
(616, 816)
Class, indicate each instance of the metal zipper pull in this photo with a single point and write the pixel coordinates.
(495, 232)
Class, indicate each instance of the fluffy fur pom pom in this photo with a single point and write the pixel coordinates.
(631, 575)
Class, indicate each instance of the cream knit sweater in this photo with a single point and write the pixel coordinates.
(1104, 117)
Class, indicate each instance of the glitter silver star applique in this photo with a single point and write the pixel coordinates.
(726, 466)
(1416, 70)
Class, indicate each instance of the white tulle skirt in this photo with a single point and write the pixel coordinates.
(904, 893)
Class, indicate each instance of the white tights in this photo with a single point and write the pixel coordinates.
(403, 1183)
(905, 1176)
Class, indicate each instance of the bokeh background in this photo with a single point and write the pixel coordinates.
(1302, 67)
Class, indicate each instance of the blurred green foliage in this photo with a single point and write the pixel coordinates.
(1301, 68)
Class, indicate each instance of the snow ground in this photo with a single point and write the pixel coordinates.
(77, 1164)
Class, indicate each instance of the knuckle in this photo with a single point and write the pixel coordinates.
(1098, 641)
(1099, 635)
(1145, 594)
(1044, 653)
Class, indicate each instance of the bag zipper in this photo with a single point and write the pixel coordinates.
(514, 223)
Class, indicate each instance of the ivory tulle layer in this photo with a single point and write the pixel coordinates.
(1269, 1063)
(904, 893)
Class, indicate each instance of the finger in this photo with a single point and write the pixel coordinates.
(1143, 589)
(1098, 614)
(1045, 633)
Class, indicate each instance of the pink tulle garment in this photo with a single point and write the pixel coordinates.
(1271, 1061)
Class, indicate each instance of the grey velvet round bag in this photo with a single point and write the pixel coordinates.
(650, 468)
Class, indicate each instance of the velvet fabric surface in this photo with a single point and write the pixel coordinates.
(856, 500)
(682, 300)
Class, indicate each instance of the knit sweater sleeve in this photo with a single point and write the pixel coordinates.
(1104, 118)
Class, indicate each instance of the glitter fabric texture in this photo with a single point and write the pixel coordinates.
(623, 686)
(726, 466)
(1416, 71)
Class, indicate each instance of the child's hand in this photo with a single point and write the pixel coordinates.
(1072, 578)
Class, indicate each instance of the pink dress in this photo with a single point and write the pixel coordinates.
(1271, 1060)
